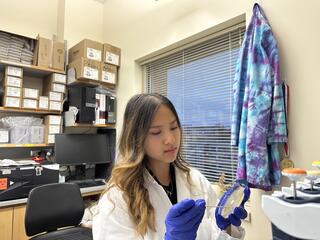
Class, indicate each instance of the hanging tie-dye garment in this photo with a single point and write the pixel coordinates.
(258, 120)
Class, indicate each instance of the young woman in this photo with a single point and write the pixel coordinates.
(152, 194)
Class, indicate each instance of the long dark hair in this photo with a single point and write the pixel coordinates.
(127, 174)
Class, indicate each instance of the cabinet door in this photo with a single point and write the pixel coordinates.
(6, 218)
(18, 223)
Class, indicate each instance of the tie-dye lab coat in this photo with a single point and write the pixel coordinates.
(258, 120)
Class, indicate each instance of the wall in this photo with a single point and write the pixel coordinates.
(31, 18)
(83, 19)
(142, 27)
(71, 20)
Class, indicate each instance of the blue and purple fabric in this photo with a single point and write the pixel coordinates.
(258, 117)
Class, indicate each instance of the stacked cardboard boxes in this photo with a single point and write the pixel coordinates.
(53, 125)
(12, 87)
(110, 63)
(54, 87)
(93, 61)
(17, 96)
(49, 54)
(30, 98)
(85, 59)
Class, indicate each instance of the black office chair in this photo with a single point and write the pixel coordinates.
(53, 206)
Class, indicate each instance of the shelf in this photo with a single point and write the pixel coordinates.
(79, 125)
(32, 111)
(85, 81)
(12, 145)
(30, 70)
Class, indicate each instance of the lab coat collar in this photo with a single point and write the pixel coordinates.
(182, 185)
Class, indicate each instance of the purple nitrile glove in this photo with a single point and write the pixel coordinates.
(183, 219)
(238, 213)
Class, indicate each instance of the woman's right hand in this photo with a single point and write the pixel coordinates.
(183, 219)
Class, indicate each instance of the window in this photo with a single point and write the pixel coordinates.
(198, 80)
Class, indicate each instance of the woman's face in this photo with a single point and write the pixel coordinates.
(163, 139)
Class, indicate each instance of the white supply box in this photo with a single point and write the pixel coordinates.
(12, 102)
(29, 103)
(12, 92)
(43, 102)
(30, 93)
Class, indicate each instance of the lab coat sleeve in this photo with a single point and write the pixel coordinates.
(113, 220)
(209, 220)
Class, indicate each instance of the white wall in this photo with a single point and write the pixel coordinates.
(141, 27)
(83, 19)
(71, 20)
(29, 18)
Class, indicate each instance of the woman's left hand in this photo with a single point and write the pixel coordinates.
(239, 213)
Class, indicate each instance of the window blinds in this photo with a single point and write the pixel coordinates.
(198, 80)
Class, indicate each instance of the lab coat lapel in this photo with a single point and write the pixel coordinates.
(183, 188)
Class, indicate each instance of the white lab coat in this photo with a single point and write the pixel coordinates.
(113, 221)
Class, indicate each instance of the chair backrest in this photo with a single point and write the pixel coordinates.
(53, 206)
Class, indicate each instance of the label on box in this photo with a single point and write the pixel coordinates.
(53, 105)
(108, 77)
(11, 102)
(51, 138)
(61, 78)
(43, 102)
(94, 54)
(55, 96)
(58, 87)
(14, 81)
(54, 129)
(91, 73)
(14, 71)
(13, 92)
(4, 136)
(30, 93)
(112, 58)
(29, 103)
(54, 120)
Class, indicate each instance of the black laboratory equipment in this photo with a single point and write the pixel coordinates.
(84, 99)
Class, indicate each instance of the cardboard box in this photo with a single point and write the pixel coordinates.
(55, 96)
(13, 81)
(54, 129)
(29, 103)
(85, 68)
(55, 87)
(55, 106)
(30, 93)
(111, 54)
(53, 125)
(86, 49)
(43, 102)
(58, 55)
(53, 120)
(57, 78)
(43, 52)
(12, 92)
(49, 138)
(50, 85)
(14, 71)
(109, 73)
(11, 102)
